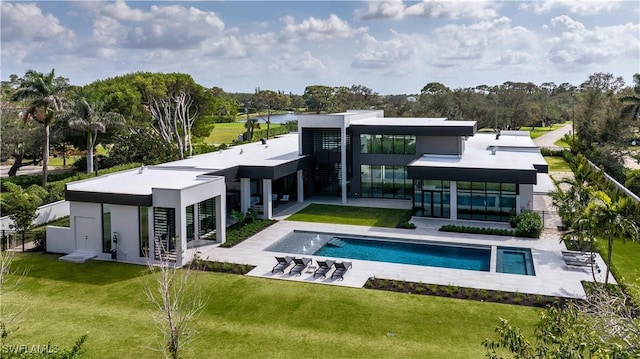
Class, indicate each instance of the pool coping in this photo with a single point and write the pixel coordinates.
(552, 277)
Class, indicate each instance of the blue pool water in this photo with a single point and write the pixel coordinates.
(385, 250)
(514, 261)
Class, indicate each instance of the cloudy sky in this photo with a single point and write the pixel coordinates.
(392, 47)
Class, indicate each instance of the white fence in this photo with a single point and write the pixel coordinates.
(46, 213)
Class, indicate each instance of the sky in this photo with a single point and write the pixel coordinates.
(391, 47)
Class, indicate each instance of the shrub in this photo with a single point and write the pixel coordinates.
(529, 225)
(476, 230)
(406, 225)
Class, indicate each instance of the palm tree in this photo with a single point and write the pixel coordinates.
(632, 107)
(44, 94)
(611, 218)
(90, 119)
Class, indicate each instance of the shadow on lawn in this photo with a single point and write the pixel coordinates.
(47, 266)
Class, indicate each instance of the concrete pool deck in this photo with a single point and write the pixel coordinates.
(552, 277)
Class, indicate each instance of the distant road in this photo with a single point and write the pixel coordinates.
(549, 139)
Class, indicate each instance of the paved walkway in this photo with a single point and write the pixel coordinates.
(552, 275)
(549, 139)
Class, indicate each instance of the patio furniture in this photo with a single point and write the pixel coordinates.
(300, 265)
(283, 263)
(284, 199)
(323, 268)
(341, 269)
(576, 254)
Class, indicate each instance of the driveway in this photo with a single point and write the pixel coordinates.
(549, 139)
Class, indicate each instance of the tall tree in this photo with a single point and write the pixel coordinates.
(611, 218)
(632, 102)
(44, 94)
(90, 120)
(269, 101)
(318, 98)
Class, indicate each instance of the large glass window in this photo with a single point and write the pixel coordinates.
(143, 224)
(207, 216)
(106, 228)
(431, 198)
(164, 228)
(378, 181)
(388, 144)
(486, 201)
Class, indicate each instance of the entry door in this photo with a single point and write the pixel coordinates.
(432, 203)
(84, 229)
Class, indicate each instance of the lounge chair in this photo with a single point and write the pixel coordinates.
(300, 265)
(323, 268)
(581, 262)
(574, 254)
(284, 199)
(341, 269)
(283, 263)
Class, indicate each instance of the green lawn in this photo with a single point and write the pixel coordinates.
(539, 131)
(249, 317)
(361, 216)
(561, 143)
(227, 132)
(557, 164)
(625, 264)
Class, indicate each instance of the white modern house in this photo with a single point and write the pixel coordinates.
(443, 168)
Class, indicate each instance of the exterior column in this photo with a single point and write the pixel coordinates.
(343, 162)
(245, 194)
(221, 218)
(300, 186)
(267, 200)
(453, 199)
(196, 221)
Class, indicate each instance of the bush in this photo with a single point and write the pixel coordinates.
(528, 225)
(476, 230)
(406, 225)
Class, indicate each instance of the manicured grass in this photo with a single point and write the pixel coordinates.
(249, 317)
(557, 164)
(227, 132)
(561, 143)
(539, 131)
(361, 216)
(58, 162)
(625, 258)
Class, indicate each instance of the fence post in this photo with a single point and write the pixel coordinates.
(3, 241)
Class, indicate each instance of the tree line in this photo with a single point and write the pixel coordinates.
(157, 117)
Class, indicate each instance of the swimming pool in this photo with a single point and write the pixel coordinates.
(390, 250)
(514, 261)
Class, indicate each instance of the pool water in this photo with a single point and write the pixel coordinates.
(446, 256)
(514, 261)
(385, 250)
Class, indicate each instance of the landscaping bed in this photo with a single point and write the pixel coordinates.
(452, 291)
(238, 232)
(220, 267)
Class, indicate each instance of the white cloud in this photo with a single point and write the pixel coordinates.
(318, 29)
(400, 55)
(305, 62)
(581, 7)
(391, 9)
(25, 22)
(27, 34)
(573, 44)
(161, 27)
(454, 9)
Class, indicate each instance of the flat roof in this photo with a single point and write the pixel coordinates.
(277, 151)
(137, 182)
(411, 122)
(512, 152)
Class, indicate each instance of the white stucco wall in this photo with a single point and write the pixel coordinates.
(525, 198)
(60, 240)
(46, 213)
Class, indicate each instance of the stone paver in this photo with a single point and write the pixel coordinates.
(552, 275)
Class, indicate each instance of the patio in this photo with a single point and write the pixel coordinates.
(552, 277)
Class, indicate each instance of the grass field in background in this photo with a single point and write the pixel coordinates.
(248, 317)
(227, 132)
(539, 131)
(557, 164)
(361, 216)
